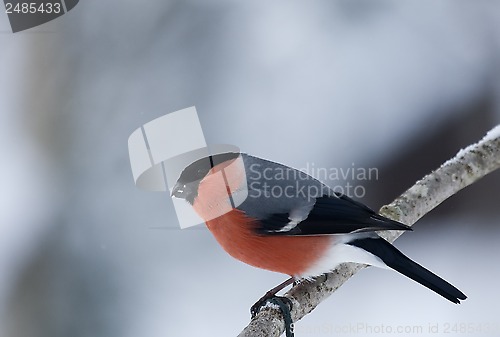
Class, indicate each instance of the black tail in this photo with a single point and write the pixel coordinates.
(399, 262)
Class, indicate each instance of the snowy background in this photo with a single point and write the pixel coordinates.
(396, 85)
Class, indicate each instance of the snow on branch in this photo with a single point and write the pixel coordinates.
(469, 165)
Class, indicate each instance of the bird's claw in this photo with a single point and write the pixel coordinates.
(285, 305)
(254, 310)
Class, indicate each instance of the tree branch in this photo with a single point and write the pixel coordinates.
(469, 165)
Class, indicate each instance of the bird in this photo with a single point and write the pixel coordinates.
(281, 219)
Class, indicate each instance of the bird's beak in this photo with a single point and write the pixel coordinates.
(178, 190)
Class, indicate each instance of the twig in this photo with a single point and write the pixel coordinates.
(469, 165)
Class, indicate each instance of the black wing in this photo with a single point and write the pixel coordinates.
(330, 215)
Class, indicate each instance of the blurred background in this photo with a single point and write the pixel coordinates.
(399, 86)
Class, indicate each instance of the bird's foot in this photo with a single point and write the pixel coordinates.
(283, 303)
(271, 293)
(272, 299)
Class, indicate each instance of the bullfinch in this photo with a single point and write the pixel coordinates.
(291, 223)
